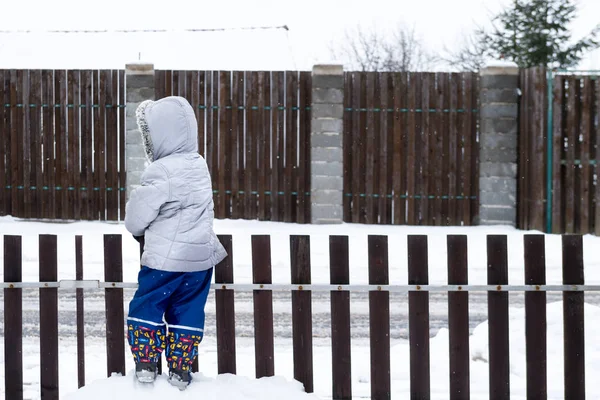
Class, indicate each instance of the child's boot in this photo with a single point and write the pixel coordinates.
(146, 344)
(182, 350)
(179, 378)
(146, 372)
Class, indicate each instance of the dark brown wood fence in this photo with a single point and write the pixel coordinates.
(62, 142)
(254, 131)
(410, 148)
(565, 106)
(458, 302)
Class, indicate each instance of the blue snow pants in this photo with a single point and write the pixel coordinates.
(167, 313)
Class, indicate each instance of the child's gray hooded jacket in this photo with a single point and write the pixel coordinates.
(173, 207)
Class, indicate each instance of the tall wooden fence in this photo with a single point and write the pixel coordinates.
(254, 131)
(62, 141)
(558, 157)
(379, 288)
(410, 148)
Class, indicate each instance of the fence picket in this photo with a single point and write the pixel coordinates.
(458, 318)
(115, 316)
(340, 318)
(263, 306)
(48, 318)
(225, 314)
(302, 312)
(13, 318)
(498, 318)
(418, 318)
(80, 313)
(535, 317)
(573, 317)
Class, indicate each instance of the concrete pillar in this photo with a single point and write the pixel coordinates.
(139, 86)
(327, 166)
(498, 142)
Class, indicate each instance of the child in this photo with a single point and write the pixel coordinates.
(173, 211)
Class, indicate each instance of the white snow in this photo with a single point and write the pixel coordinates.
(243, 386)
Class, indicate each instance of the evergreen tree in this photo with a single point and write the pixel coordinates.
(536, 32)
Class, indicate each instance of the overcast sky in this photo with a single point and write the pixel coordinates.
(314, 25)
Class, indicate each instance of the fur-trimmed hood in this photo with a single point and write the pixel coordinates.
(168, 126)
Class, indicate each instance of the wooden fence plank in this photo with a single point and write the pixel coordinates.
(266, 196)
(445, 155)
(420, 199)
(48, 318)
(497, 260)
(304, 163)
(225, 311)
(122, 137)
(115, 328)
(371, 146)
(573, 317)
(538, 139)
(112, 142)
(49, 193)
(35, 176)
(411, 151)
(302, 311)
(289, 149)
(558, 102)
(13, 318)
(339, 270)
(452, 150)
(237, 141)
(201, 112)
(5, 169)
(347, 142)
(379, 318)
(572, 134)
(398, 159)
(86, 148)
(535, 317)
(214, 165)
(210, 129)
(275, 155)
(80, 313)
(357, 147)
(596, 135)
(26, 138)
(72, 132)
(263, 306)
(250, 148)
(425, 149)
(475, 149)
(466, 128)
(585, 167)
(439, 147)
(458, 318)
(384, 151)
(524, 113)
(259, 131)
(17, 142)
(224, 142)
(61, 95)
(294, 143)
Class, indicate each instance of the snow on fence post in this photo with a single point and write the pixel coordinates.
(115, 315)
(139, 86)
(574, 336)
(499, 359)
(302, 311)
(48, 318)
(263, 307)
(13, 318)
(535, 317)
(498, 144)
(327, 161)
(225, 311)
(379, 318)
(339, 264)
(458, 318)
(418, 317)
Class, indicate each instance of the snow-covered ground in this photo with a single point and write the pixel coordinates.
(207, 383)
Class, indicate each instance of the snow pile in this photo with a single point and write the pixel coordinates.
(225, 386)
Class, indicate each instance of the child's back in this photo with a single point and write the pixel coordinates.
(173, 210)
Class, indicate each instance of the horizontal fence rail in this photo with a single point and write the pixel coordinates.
(379, 288)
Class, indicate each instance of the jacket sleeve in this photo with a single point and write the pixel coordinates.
(145, 201)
